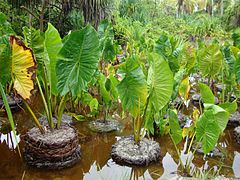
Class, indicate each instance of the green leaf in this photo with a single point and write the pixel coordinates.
(220, 115)
(160, 82)
(206, 94)
(175, 129)
(237, 67)
(93, 104)
(210, 60)
(236, 38)
(187, 57)
(114, 82)
(86, 98)
(177, 80)
(52, 46)
(230, 107)
(106, 36)
(5, 26)
(207, 131)
(77, 61)
(35, 40)
(103, 91)
(133, 86)
(5, 61)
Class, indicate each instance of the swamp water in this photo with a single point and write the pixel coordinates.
(96, 162)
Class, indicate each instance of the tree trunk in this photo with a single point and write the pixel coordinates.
(222, 8)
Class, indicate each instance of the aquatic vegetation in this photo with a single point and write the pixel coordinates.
(150, 74)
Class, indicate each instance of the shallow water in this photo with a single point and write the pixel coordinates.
(96, 162)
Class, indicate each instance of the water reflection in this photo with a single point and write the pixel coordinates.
(114, 171)
(236, 164)
(170, 167)
(10, 139)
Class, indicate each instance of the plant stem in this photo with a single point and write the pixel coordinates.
(60, 110)
(43, 99)
(180, 160)
(145, 110)
(48, 97)
(34, 117)
(191, 142)
(223, 88)
(10, 117)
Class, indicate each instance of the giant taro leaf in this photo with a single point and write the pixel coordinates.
(52, 46)
(160, 82)
(23, 67)
(207, 131)
(221, 116)
(210, 125)
(133, 87)
(210, 60)
(77, 61)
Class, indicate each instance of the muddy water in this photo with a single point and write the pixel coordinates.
(96, 162)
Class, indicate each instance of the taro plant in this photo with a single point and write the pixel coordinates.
(205, 129)
(66, 68)
(142, 95)
(106, 80)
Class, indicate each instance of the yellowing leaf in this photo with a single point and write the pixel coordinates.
(184, 88)
(195, 115)
(23, 67)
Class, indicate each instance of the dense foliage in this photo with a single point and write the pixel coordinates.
(149, 57)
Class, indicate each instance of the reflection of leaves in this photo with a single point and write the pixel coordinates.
(23, 67)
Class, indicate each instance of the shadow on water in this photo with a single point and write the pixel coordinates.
(96, 162)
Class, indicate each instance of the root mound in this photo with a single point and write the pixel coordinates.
(125, 151)
(104, 126)
(55, 149)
